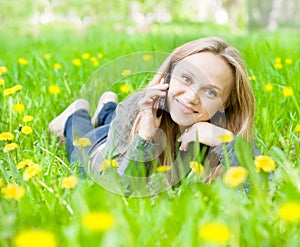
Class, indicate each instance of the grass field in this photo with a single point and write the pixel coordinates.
(39, 207)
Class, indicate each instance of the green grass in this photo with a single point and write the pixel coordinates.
(168, 219)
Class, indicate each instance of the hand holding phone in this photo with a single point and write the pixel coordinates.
(162, 105)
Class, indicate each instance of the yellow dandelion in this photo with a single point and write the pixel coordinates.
(13, 191)
(23, 61)
(106, 163)
(163, 168)
(264, 163)
(19, 107)
(3, 70)
(278, 66)
(82, 142)
(100, 55)
(26, 130)
(31, 171)
(12, 90)
(288, 61)
(47, 56)
(146, 57)
(252, 78)
(69, 182)
(125, 88)
(86, 55)
(1, 82)
(1, 182)
(225, 138)
(297, 128)
(214, 232)
(27, 119)
(23, 163)
(76, 62)
(287, 92)
(93, 59)
(96, 63)
(235, 176)
(6, 136)
(197, 168)
(98, 221)
(269, 87)
(54, 89)
(289, 211)
(35, 238)
(10, 147)
(277, 60)
(57, 66)
(126, 72)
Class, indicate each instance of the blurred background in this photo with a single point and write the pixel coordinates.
(30, 16)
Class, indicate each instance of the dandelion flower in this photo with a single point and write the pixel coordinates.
(100, 55)
(76, 62)
(252, 78)
(1, 82)
(9, 147)
(54, 89)
(215, 233)
(288, 61)
(287, 92)
(69, 182)
(26, 130)
(12, 90)
(57, 66)
(98, 221)
(269, 87)
(125, 88)
(13, 191)
(225, 138)
(27, 119)
(146, 57)
(6, 136)
(297, 128)
(107, 163)
(35, 238)
(86, 55)
(197, 168)
(96, 63)
(82, 142)
(126, 72)
(278, 66)
(265, 163)
(31, 171)
(23, 163)
(163, 168)
(235, 176)
(22, 61)
(289, 211)
(3, 70)
(19, 107)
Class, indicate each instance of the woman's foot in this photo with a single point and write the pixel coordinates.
(105, 98)
(57, 125)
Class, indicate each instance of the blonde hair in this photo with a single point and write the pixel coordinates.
(240, 105)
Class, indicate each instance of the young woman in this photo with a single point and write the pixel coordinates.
(200, 94)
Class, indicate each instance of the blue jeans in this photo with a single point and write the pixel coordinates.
(79, 125)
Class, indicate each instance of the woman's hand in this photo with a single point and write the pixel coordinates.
(203, 132)
(149, 122)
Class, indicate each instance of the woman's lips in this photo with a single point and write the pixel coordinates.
(184, 107)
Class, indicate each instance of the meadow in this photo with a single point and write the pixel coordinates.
(45, 202)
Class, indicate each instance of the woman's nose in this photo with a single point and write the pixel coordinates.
(193, 97)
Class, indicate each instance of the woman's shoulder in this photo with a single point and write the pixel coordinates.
(132, 99)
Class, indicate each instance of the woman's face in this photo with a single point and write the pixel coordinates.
(199, 86)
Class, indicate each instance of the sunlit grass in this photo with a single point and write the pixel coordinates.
(45, 199)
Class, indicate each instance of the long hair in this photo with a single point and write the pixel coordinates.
(240, 105)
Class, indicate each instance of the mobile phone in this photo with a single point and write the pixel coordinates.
(162, 104)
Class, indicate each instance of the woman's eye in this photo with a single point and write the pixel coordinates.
(212, 92)
(186, 79)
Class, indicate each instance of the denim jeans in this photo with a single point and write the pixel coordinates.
(79, 125)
